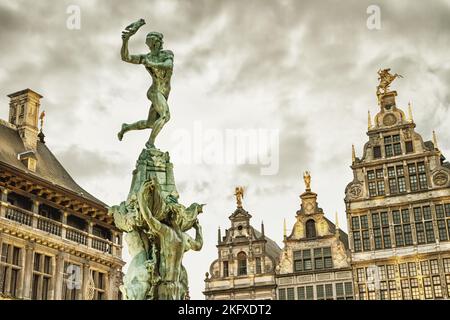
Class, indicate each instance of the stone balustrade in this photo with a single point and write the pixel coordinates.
(58, 229)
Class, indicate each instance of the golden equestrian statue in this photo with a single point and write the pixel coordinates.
(385, 79)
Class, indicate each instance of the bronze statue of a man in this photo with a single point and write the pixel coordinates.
(159, 63)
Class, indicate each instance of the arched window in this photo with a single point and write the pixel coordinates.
(242, 263)
(310, 229)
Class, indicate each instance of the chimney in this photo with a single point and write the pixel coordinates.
(23, 113)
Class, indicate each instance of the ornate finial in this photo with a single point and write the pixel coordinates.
(410, 115)
(41, 134)
(262, 229)
(239, 193)
(284, 228)
(385, 79)
(337, 221)
(435, 140)
(369, 120)
(41, 117)
(307, 179)
(353, 154)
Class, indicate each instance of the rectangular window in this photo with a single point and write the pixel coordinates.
(390, 271)
(366, 240)
(298, 261)
(393, 290)
(392, 145)
(357, 241)
(340, 294)
(401, 184)
(388, 150)
(376, 182)
(361, 274)
(412, 269)
(309, 292)
(328, 261)
(434, 266)
(377, 152)
(387, 237)
(397, 149)
(282, 294)
(427, 288)
(10, 269)
(329, 291)
(318, 258)
(429, 231)
(301, 293)
(439, 208)
(406, 292)
(348, 290)
(372, 189)
(360, 226)
(425, 268)
(290, 294)
(403, 269)
(99, 285)
(225, 269)
(417, 176)
(320, 291)
(362, 292)
(364, 222)
(42, 276)
(415, 289)
(258, 265)
(446, 265)
(409, 147)
(307, 263)
(437, 289)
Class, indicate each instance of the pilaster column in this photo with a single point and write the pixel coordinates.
(89, 240)
(35, 209)
(86, 277)
(3, 198)
(4, 194)
(28, 271)
(64, 222)
(112, 289)
(59, 276)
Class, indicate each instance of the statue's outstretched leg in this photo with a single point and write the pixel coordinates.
(139, 125)
(162, 108)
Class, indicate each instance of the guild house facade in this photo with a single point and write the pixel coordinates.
(56, 240)
(245, 268)
(398, 210)
(315, 262)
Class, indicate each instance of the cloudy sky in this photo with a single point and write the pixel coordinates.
(302, 71)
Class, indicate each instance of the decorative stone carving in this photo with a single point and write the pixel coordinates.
(440, 178)
(355, 191)
(389, 119)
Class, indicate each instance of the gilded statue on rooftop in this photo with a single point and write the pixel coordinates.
(239, 193)
(385, 78)
(307, 180)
